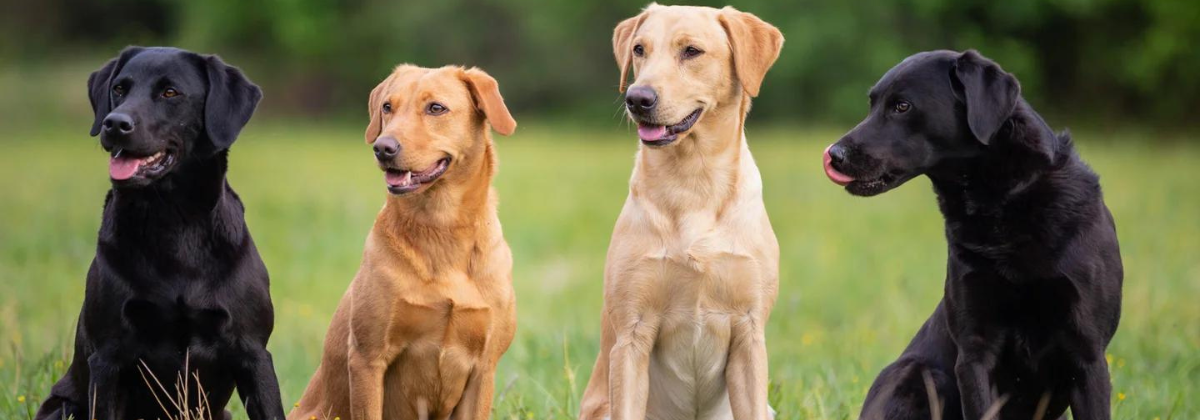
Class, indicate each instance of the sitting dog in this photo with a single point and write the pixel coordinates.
(422, 326)
(693, 266)
(1033, 281)
(176, 280)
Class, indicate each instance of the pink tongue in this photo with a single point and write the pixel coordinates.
(651, 132)
(395, 179)
(122, 168)
(833, 174)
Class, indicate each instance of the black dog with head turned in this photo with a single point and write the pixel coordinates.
(1033, 281)
(176, 280)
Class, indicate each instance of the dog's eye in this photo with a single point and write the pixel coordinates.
(901, 107)
(435, 108)
(691, 52)
(118, 90)
(638, 50)
(170, 93)
(387, 108)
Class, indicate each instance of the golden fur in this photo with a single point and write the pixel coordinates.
(431, 310)
(692, 269)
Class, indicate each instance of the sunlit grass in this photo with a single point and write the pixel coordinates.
(858, 276)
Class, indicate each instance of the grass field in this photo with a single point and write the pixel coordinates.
(858, 275)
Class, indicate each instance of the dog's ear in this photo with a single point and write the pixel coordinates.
(623, 43)
(755, 45)
(990, 93)
(486, 94)
(374, 109)
(100, 85)
(230, 103)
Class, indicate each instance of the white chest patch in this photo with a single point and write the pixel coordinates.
(687, 367)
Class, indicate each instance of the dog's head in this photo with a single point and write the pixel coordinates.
(687, 62)
(157, 108)
(933, 108)
(428, 123)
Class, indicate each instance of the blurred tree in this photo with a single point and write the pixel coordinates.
(1090, 59)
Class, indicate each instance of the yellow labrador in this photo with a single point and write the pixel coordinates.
(431, 310)
(693, 266)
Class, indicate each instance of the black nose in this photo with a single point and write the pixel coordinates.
(116, 123)
(837, 153)
(640, 99)
(386, 148)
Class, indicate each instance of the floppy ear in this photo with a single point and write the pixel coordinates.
(230, 103)
(100, 85)
(486, 93)
(374, 103)
(989, 93)
(755, 45)
(623, 44)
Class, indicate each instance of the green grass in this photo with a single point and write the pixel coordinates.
(858, 276)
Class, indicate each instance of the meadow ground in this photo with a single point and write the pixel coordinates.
(858, 275)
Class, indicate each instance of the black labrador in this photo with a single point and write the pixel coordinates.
(1033, 281)
(176, 280)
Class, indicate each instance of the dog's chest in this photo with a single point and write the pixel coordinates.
(443, 329)
(183, 321)
(448, 315)
(687, 364)
(705, 283)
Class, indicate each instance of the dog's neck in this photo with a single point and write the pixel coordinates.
(1011, 201)
(1024, 153)
(701, 171)
(194, 199)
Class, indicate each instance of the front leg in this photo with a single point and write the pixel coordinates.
(366, 382)
(371, 348)
(1091, 390)
(746, 370)
(594, 404)
(258, 386)
(476, 401)
(977, 356)
(104, 395)
(629, 364)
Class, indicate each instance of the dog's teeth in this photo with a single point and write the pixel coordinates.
(407, 178)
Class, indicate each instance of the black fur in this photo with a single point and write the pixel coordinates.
(1033, 281)
(176, 278)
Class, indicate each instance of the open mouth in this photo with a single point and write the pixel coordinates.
(402, 182)
(662, 135)
(124, 165)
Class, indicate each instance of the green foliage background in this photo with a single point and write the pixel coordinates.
(1096, 61)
